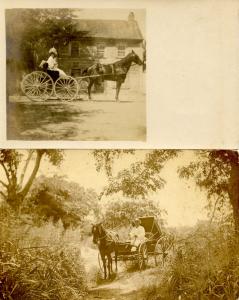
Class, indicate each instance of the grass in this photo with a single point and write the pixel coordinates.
(205, 266)
(34, 267)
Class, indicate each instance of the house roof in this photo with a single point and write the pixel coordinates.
(113, 29)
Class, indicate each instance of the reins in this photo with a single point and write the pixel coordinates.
(106, 74)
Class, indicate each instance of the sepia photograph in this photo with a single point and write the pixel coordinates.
(119, 224)
(76, 74)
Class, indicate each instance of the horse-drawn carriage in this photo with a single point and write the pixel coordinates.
(42, 85)
(157, 245)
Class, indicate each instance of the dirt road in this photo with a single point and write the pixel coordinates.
(127, 285)
(99, 120)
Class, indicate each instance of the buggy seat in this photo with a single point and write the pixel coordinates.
(53, 74)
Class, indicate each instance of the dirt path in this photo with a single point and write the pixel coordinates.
(77, 120)
(126, 285)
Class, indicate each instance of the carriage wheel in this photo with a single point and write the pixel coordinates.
(159, 252)
(83, 84)
(66, 88)
(142, 256)
(37, 86)
(164, 249)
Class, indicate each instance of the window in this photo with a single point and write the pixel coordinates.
(75, 49)
(121, 50)
(64, 50)
(100, 50)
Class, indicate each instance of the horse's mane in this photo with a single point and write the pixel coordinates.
(124, 59)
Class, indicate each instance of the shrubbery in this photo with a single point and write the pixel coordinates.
(35, 267)
(205, 266)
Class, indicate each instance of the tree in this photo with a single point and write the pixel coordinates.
(217, 172)
(121, 213)
(140, 179)
(15, 166)
(55, 198)
(31, 32)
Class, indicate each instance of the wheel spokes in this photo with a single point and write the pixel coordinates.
(66, 88)
(37, 86)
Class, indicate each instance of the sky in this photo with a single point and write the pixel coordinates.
(182, 200)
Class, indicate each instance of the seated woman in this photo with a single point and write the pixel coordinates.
(52, 62)
(137, 235)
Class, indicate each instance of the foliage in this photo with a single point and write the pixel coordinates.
(104, 159)
(118, 214)
(15, 164)
(58, 199)
(31, 32)
(53, 270)
(205, 266)
(140, 179)
(217, 172)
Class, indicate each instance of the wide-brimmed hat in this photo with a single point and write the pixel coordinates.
(53, 50)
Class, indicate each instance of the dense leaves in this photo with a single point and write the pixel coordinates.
(31, 32)
(54, 198)
(141, 178)
(122, 213)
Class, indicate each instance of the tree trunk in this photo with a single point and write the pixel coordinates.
(233, 190)
(26, 189)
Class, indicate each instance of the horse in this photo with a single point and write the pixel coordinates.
(107, 244)
(113, 72)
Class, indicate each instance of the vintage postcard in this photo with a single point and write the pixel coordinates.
(119, 225)
(76, 74)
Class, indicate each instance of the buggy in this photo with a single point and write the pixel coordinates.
(157, 245)
(42, 85)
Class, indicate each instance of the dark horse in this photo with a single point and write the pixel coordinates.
(114, 72)
(107, 244)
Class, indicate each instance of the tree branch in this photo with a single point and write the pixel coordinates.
(4, 196)
(4, 184)
(30, 153)
(214, 210)
(6, 172)
(25, 190)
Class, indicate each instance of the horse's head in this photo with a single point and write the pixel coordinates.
(97, 232)
(135, 58)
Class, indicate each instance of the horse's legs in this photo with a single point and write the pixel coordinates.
(89, 88)
(104, 265)
(116, 257)
(118, 85)
(109, 264)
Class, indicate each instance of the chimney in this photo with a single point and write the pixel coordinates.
(131, 17)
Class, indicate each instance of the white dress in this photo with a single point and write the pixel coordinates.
(137, 235)
(53, 65)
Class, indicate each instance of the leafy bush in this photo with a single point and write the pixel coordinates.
(205, 266)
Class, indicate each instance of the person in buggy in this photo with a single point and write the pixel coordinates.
(136, 235)
(51, 64)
